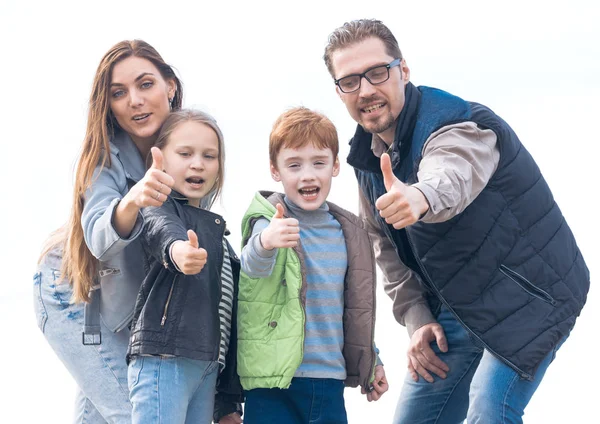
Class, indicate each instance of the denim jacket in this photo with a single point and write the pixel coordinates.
(122, 260)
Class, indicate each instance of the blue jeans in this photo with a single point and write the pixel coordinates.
(478, 387)
(172, 390)
(306, 401)
(100, 371)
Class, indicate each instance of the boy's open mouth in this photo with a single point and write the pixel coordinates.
(309, 192)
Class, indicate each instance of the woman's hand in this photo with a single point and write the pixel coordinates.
(153, 189)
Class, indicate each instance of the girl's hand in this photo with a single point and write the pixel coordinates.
(233, 418)
(281, 232)
(188, 256)
(153, 189)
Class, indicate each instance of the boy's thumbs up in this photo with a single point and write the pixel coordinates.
(193, 238)
(279, 213)
(157, 158)
(386, 169)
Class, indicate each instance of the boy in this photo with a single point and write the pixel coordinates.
(306, 305)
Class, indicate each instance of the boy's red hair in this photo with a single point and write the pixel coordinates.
(297, 127)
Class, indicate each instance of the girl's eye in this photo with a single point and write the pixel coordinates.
(184, 154)
(209, 157)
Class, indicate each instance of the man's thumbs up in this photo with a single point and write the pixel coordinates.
(193, 238)
(157, 158)
(386, 169)
(401, 205)
(279, 213)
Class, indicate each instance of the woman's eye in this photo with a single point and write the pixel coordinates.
(147, 84)
(118, 94)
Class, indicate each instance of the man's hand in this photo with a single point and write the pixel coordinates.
(281, 232)
(422, 358)
(188, 256)
(233, 418)
(402, 205)
(380, 385)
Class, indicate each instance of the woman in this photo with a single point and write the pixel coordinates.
(97, 260)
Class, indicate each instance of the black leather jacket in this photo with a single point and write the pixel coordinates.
(177, 314)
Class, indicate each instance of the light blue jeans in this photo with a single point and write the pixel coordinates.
(100, 371)
(478, 387)
(173, 390)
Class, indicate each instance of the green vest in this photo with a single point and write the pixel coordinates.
(271, 314)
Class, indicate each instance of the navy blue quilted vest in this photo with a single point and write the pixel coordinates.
(508, 266)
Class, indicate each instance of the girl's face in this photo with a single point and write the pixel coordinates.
(139, 98)
(191, 157)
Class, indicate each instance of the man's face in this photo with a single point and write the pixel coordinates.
(374, 107)
(306, 174)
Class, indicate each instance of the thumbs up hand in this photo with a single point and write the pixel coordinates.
(402, 205)
(281, 232)
(153, 189)
(188, 256)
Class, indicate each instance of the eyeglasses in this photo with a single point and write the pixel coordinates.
(375, 75)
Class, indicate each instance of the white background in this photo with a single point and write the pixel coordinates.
(537, 64)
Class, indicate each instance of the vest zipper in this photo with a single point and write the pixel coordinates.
(521, 373)
(164, 317)
(527, 285)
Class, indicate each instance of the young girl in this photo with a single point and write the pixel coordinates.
(182, 338)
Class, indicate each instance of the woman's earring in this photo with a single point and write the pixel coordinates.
(171, 103)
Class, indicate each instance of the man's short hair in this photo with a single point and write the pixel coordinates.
(354, 32)
(297, 127)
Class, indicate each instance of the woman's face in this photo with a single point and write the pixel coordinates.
(139, 98)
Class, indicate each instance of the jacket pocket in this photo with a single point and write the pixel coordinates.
(527, 285)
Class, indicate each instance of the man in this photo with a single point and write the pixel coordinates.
(482, 268)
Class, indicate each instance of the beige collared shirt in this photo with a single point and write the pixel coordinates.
(457, 163)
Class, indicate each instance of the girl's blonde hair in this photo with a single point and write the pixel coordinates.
(189, 115)
(79, 266)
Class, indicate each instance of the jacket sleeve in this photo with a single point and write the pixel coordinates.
(162, 227)
(108, 187)
(256, 261)
(400, 283)
(458, 162)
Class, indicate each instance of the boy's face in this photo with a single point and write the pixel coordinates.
(191, 157)
(306, 174)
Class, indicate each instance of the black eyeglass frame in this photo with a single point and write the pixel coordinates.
(395, 62)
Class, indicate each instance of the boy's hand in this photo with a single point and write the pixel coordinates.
(187, 255)
(380, 385)
(281, 232)
(233, 418)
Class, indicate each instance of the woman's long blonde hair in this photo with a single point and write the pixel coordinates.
(79, 266)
